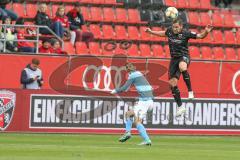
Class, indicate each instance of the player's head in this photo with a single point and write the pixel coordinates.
(177, 25)
(130, 67)
(35, 63)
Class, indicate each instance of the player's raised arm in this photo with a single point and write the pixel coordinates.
(205, 32)
(157, 33)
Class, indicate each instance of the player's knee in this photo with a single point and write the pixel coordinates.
(138, 120)
(183, 66)
(172, 83)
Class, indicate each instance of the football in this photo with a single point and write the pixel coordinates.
(171, 12)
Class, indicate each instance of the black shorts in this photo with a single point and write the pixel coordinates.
(174, 71)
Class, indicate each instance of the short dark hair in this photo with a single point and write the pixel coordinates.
(77, 4)
(178, 20)
(35, 61)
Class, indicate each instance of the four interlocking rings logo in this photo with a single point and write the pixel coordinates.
(107, 77)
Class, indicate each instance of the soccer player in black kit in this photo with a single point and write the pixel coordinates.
(178, 43)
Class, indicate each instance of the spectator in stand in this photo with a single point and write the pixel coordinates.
(8, 33)
(43, 19)
(46, 47)
(56, 47)
(31, 76)
(21, 32)
(63, 19)
(6, 12)
(76, 21)
(225, 2)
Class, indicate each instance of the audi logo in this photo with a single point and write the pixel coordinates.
(234, 82)
(106, 72)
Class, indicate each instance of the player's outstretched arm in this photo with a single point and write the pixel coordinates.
(124, 87)
(204, 33)
(157, 33)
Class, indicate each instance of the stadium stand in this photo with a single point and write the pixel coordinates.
(121, 21)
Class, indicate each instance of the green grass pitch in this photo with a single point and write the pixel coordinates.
(106, 147)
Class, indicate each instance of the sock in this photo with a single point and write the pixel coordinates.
(142, 131)
(176, 95)
(187, 80)
(128, 125)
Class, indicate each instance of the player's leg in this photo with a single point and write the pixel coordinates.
(128, 126)
(177, 96)
(140, 111)
(183, 66)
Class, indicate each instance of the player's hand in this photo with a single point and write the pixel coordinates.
(113, 91)
(209, 28)
(148, 30)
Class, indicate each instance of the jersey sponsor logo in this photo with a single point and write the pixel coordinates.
(175, 40)
(234, 82)
(111, 75)
(7, 105)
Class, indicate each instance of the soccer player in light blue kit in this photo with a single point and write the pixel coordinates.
(140, 109)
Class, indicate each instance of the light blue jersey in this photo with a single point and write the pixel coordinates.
(143, 87)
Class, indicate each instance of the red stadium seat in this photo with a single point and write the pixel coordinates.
(158, 38)
(144, 36)
(106, 49)
(85, 12)
(108, 32)
(217, 36)
(68, 8)
(193, 18)
(229, 37)
(206, 53)
(238, 36)
(170, 3)
(69, 48)
(206, 4)
(96, 14)
(205, 18)
(228, 20)
(95, 29)
(133, 33)
(145, 50)
(87, 1)
(133, 16)
(81, 48)
(121, 15)
(208, 39)
(194, 4)
(109, 14)
(157, 50)
(218, 53)
(217, 19)
(133, 50)
(94, 48)
(121, 32)
(113, 2)
(230, 54)
(31, 10)
(182, 4)
(194, 52)
(19, 9)
(119, 50)
(54, 9)
(238, 53)
(98, 1)
(167, 51)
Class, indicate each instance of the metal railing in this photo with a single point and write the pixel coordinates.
(4, 39)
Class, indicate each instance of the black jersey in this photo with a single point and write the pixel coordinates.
(178, 43)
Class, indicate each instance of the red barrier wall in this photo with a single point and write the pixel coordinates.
(69, 77)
